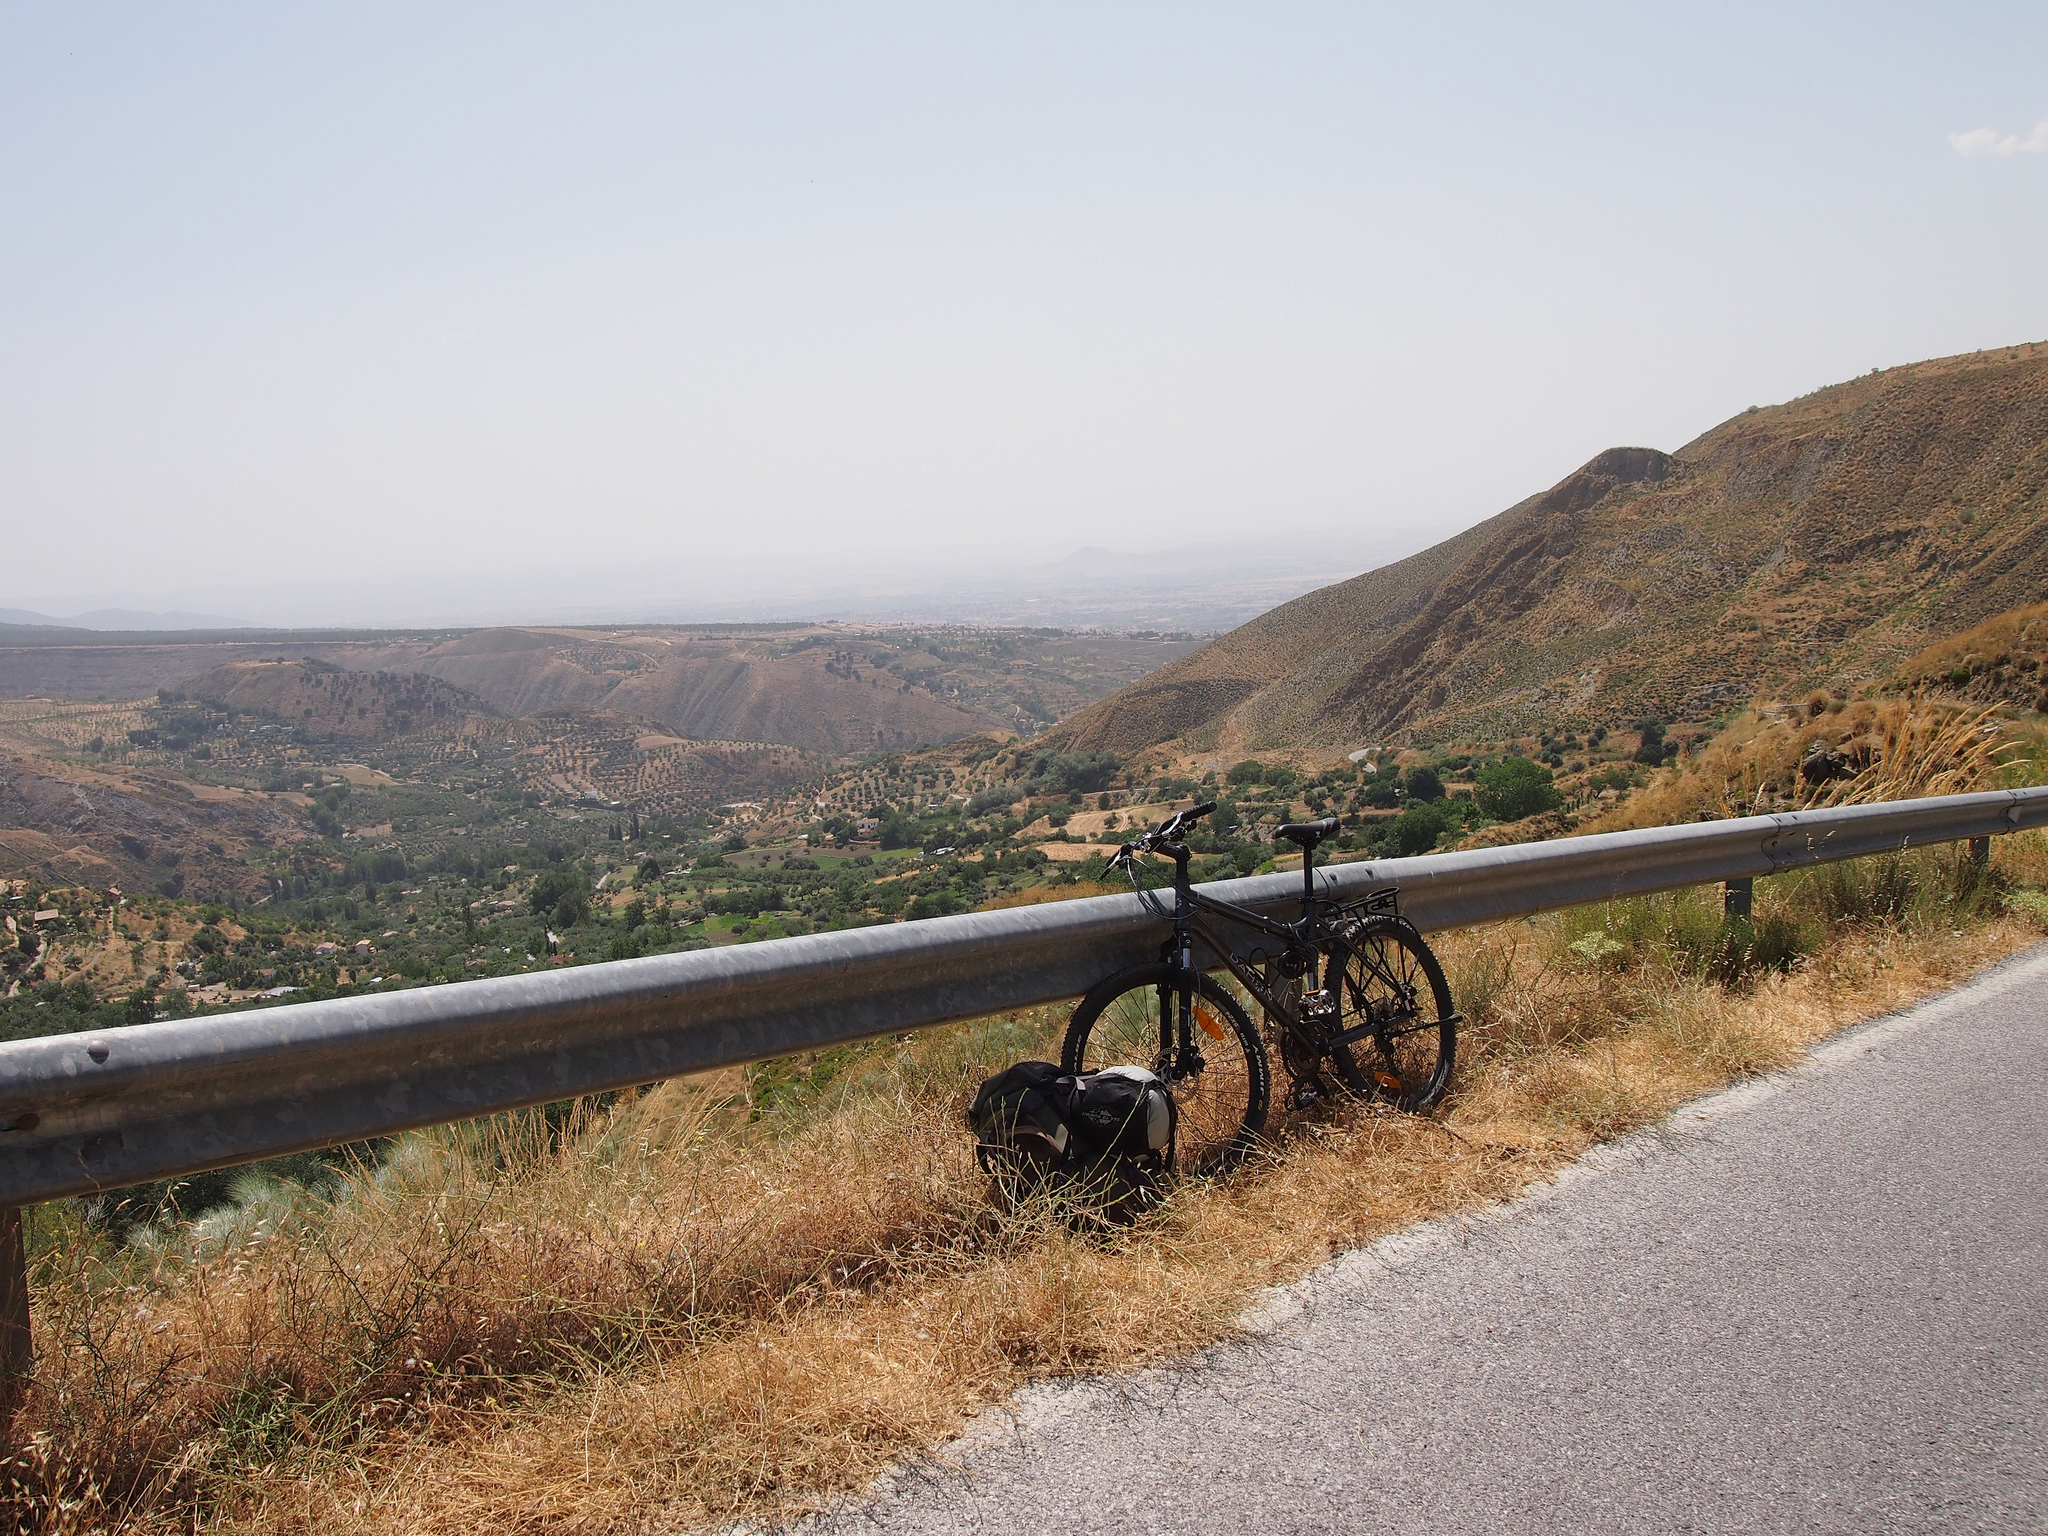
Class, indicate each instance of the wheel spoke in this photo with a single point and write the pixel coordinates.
(1391, 983)
(1218, 1088)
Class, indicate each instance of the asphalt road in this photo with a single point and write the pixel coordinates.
(1818, 1303)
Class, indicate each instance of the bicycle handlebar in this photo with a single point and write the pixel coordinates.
(1168, 832)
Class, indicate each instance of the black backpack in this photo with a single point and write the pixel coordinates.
(1126, 1111)
(1106, 1136)
(1019, 1119)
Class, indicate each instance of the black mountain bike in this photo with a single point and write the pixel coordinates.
(1350, 984)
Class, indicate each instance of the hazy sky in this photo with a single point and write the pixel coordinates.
(301, 291)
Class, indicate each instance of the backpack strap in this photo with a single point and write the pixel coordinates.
(1040, 1108)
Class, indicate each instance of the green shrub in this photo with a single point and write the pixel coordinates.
(1514, 788)
(560, 894)
(1416, 830)
(1422, 783)
(933, 904)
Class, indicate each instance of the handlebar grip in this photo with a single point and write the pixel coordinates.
(1198, 812)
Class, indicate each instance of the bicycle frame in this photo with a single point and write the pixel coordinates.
(1305, 935)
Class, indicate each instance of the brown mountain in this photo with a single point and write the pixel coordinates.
(832, 688)
(330, 702)
(1819, 542)
(710, 686)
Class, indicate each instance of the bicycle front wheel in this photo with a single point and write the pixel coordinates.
(1219, 1080)
(1391, 981)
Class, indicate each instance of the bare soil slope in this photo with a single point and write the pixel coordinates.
(144, 830)
(718, 686)
(330, 702)
(1823, 541)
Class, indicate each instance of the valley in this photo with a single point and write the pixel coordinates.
(1660, 635)
(292, 822)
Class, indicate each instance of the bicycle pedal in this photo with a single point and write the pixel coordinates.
(1305, 1096)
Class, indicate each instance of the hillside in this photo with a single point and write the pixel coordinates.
(2004, 660)
(142, 829)
(718, 686)
(328, 702)
(1817, 543)
(833, 688)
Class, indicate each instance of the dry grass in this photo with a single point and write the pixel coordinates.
(1876, 749)
(667, 1314)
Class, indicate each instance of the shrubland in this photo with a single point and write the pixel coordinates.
(741, 1295)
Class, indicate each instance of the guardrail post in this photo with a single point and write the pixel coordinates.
(1980, 853)
(1738, 897)
(17, 1349)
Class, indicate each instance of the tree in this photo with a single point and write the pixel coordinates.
(1423, 784)
(1250, 771)
(1074, 772)
(1652, 749)
(560, 893)
(1514, 787)
(1415, 830)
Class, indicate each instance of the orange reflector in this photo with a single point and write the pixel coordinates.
(1388, 1080)
(1209, 1026)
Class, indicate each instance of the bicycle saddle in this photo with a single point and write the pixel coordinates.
(1307, 833)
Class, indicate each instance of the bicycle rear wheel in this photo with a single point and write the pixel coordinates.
(1392, 981)
(1220, 1084)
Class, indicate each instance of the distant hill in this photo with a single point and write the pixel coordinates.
(120, 619)
(604, 756)
(709, 687)
(1823, 541)
(331, 703)
(821, 688)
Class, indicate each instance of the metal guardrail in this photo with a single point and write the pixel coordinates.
(89, 1112)
(84, 1113)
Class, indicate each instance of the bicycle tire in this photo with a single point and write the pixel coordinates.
(1393, 980)
(1223, 1101)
